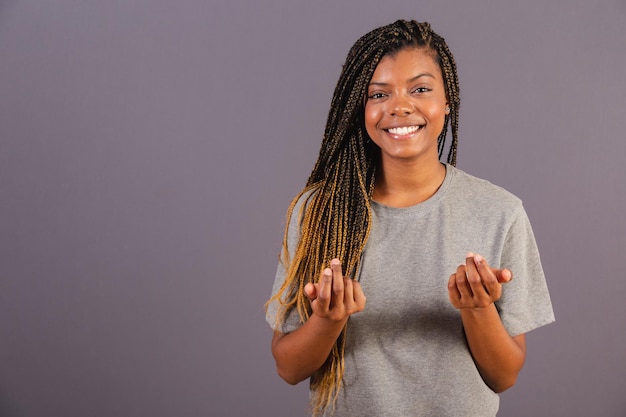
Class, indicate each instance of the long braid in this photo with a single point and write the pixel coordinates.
(336, 218)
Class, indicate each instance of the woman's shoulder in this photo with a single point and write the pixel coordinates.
(297, 210)
(480, 189)
(303, 198)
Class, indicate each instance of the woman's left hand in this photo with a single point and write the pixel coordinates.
(476, 284)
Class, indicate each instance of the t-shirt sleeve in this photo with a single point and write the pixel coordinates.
(525, 303)
(292, 320)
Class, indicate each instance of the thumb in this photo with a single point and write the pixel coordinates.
(503, 275)
(310, 291)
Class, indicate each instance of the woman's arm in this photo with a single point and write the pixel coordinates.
(300, 353)
(333, 299)
(498, 356)
(473, 289)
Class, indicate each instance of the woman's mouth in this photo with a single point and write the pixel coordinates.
(404, 130)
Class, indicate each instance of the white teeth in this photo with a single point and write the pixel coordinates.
(403, 130)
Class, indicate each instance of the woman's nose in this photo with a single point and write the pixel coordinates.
(401, 106)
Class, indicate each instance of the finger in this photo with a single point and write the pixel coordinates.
(471, 267)
(487, 276)
(348, 296)
(453, 291)
(348, 291)
(479, 287)
(484, 270)
(473, 276)
(462, 284)
(310, 291)
(338, 285)
(477, 264)
(359, 296)
(324, 293)
(502, 275)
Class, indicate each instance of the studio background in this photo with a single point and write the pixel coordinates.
(149, 150)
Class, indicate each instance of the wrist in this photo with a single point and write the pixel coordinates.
(326, 325)
(478, 312)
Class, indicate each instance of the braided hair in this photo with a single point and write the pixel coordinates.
(335, 220)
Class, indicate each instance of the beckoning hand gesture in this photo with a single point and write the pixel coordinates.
(335, 297)
(476, 284)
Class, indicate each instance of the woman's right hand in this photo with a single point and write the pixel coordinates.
(335, 297)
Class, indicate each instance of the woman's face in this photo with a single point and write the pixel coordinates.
(405, 106)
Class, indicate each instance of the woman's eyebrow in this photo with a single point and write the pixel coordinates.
(425, 74)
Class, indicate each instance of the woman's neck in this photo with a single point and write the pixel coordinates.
(404, 185)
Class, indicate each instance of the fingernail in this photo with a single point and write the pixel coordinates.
(469, 255)
(478, 259)
(335, 262)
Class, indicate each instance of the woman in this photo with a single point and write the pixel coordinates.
(441, 332)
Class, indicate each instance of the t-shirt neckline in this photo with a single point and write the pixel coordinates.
(424, 205)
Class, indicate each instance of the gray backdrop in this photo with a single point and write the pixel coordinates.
(149, 150)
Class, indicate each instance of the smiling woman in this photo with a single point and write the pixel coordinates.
(384, 296)
(404, 115)
(406, 103)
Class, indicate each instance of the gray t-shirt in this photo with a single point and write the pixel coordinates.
(406, 353)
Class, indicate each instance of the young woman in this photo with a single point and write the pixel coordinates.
(405, 286)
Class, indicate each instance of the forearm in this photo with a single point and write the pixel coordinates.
(300, 353)
(498, 356)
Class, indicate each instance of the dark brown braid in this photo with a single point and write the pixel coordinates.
(336, 220)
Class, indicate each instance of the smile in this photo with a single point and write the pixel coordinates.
(406, 130)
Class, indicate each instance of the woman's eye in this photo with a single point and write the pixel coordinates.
(421, 90)
(374, 96)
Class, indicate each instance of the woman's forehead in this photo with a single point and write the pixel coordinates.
(407, 60)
